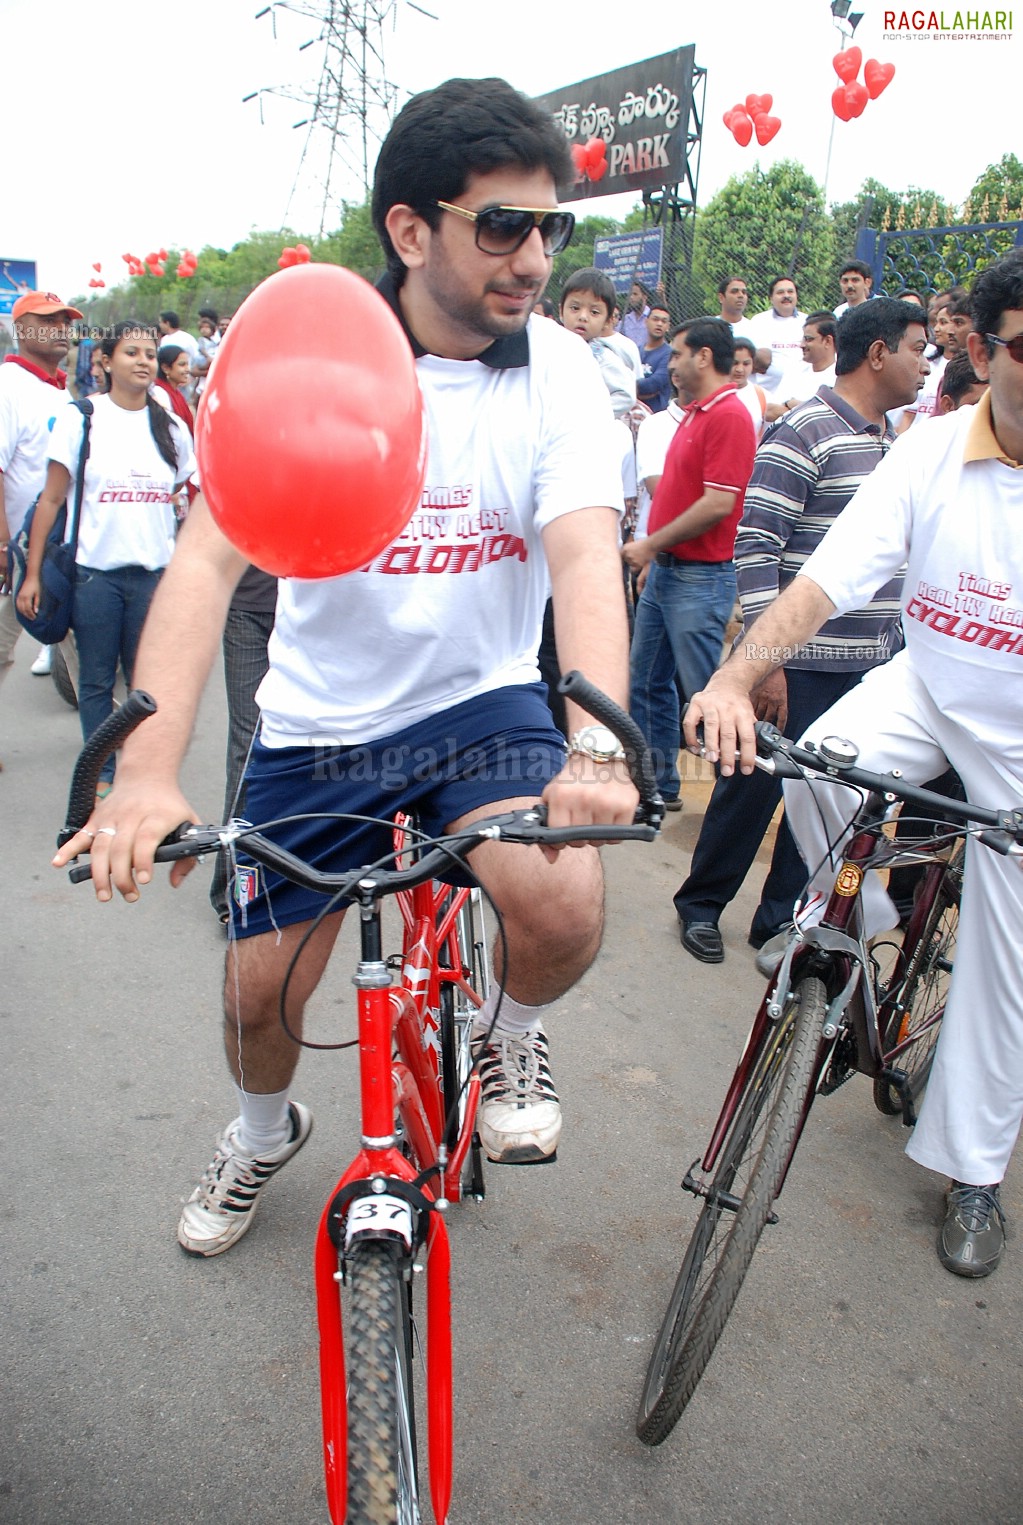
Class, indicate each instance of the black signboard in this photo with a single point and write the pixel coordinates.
(642, 114)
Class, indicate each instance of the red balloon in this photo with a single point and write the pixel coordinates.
(856, 98)
(303, 254)
(101, 283)
(847, 63)
(742, 129)
(162, 254)
(766, 127)
(97, 267)
(311, 433)
(579, 159)
(758, 105)
(596, 153)
(152, 258)
(877, 77)
(129, 259)
(839, 104)
(597, 171)
(183, 271)
(727, 118)
(288, 257)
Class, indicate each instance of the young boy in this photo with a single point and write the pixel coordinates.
(587, 302)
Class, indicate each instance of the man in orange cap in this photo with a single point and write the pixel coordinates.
(33, 389)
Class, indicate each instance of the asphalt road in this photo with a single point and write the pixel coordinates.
(857, 1381)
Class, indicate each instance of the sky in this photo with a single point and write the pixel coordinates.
(131, 124)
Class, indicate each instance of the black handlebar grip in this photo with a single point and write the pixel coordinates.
(637, 755)
(138, 706)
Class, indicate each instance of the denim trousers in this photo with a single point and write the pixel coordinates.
(676, 645)
(109, 611)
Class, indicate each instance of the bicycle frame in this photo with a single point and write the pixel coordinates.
(852, 991)
(400, 1074)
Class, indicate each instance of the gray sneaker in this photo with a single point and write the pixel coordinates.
(972, 1237)
(519, 1117)
(222, 1206)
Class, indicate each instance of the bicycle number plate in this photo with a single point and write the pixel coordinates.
(379, 1214)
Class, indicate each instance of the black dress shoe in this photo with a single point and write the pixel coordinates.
(703, 940)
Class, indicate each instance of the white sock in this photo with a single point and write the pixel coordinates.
(516, 1020)
(265, 1121)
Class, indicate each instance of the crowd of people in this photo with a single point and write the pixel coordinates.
(654, 475)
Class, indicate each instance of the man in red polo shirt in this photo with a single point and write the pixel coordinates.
(32, 393)
(689, 592)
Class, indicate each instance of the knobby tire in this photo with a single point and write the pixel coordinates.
(751, 1166)
(382, 1480)
(924, 990)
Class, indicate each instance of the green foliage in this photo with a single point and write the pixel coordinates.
(914, 264)
(579, 251)
(1000, 186)
(761, 225)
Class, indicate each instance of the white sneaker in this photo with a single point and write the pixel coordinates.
(520, 1116)
(223, 1205)
(43, 663)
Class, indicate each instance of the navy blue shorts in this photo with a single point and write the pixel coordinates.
(499, 746)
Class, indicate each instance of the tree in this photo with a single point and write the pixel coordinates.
(761, 225)
(915, 262)
(997, 195)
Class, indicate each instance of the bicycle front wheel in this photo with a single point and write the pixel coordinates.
(382, 1460)
(738, 1203)
(920, 1002)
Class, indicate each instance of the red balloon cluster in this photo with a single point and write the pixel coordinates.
(299, 255)
(186, 265)
(311, 470)
(590, 159)
(752, 116)
(851, 97)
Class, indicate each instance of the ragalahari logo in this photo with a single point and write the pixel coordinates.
(947, 26)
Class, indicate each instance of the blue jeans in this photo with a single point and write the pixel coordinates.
(680, 626)
(109, 611)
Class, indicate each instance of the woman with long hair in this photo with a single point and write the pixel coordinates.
(139, 455)
(173, 372)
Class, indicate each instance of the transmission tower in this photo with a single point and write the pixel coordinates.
(349, 108)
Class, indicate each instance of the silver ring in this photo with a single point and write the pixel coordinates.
(106, 831)
(87, 833)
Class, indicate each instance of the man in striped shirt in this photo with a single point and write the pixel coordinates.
(805, 472)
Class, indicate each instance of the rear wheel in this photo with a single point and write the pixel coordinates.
(919, 1002)
(382, 1462)
(737, 1204)
(62, 678)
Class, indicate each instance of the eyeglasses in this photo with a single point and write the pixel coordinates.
(1014, 345)
(502, 230)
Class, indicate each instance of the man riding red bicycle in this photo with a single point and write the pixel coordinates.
(426, 686)
(949, 497)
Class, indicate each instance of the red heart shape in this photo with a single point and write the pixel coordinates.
(304, 253)
(101, 283)
(766, 127)
(839, 104)
(727, 118)
(759, 105)
(579, 158)
(289, 256)
(856, 98)
(847, 64)
(742, 129)
(97, 267)
(877, 77)
(596, 153)
(183, 271)
(597, 171)
(163, 253)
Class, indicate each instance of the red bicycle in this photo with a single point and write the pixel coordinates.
(384, 1220)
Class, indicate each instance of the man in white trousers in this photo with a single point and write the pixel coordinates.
(952, 503)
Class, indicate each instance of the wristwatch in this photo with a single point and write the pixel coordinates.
(597, 742)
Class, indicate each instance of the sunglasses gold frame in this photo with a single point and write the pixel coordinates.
(538, 214)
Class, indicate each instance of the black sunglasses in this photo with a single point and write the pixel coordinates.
(502, 230)
(1013, 345)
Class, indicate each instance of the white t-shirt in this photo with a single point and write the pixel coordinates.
(127, 514)
(653, 437)
(453, 607)
(959, 522)
(183, 341)
(784, 338)
(754, 399)
(28, 410)
(926, 405)
(806, 383)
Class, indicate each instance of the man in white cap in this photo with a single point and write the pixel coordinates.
(33, 390)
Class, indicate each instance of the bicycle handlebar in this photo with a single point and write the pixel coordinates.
(778, 755)
(522, 826)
